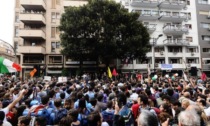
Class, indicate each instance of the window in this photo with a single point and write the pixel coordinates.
(206, 49)
(53, 4)
(16, 46)
(57, 44)
(192, 49)
(204, 25)
(54, 31)
(16, 31)
(176, 61)
(54, 16)
(189, 39)
(55, 59)
(16, 17)
(203, 12)
(189, 26)
(205, 38)
(53, 46)
(58, 2)
(203, 1)
(188, 2)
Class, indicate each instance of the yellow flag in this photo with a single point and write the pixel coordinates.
(109, 73)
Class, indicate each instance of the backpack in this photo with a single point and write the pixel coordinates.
(59, 115)
(83, 118)
(129, 119)
(108, 117)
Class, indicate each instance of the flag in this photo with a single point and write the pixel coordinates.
(148, 69)
(7, 66)
(109, 73)
(114, 72)
(33, 72)
(203, 77)
(185, 76)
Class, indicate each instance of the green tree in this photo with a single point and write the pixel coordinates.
(102, 31)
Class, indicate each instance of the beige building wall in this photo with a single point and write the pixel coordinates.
(36, 35)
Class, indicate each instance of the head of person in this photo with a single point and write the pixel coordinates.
(121, 99)
(147, 118)
(57, 103)
(185, 103)
(73, 113)
(40, 121)
(144, 100)
(69, 103)
(45, 100)
(165, 107)
(189, 118)
(24, 120)
(166, 99)
(66, 121)
(95, 119)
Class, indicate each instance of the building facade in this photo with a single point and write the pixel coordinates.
(203, 20)
(36, 36)
(172, 25)
(7, 51)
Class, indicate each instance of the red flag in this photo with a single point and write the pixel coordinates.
(203, 76)
(114, 72)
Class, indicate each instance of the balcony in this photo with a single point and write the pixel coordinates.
(141, 66)
(144, 3)
(150, 27)
(206, 67)
(147, 14)
(176, 42)
(32, 18)
(32, 34)
(31, 49)
(173, 4)
(38, 5)
(175, 29)
(174, 16)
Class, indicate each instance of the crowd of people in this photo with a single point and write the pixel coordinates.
(80, 101)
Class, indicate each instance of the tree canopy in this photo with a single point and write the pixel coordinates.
(102, 30)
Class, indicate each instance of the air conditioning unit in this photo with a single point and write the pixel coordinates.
(161, 52)
(192, 53)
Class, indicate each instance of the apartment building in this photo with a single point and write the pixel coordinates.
(36, 35)
(7, 51)
(172, 25)
(203, 20)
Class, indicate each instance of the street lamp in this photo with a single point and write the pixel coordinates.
(154, 43)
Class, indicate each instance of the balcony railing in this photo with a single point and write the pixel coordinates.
(151, 27)
(147, 14)
(31, 49)
(32, 33)
(173, 42)
(173, 4)
(174, 16)
(145, 3)
(32, 18)
(175, 29)
(33, 4)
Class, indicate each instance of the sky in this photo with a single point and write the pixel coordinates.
(7, 8)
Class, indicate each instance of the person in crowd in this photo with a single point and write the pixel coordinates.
(24, 121)
(146, 118)
(189, 118)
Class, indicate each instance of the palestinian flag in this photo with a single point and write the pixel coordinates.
(7, 66)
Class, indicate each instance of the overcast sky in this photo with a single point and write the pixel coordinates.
(7, 20)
